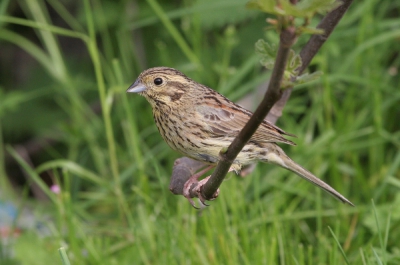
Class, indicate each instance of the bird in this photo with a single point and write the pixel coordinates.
(199, 122)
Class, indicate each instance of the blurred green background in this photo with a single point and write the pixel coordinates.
(66, 123)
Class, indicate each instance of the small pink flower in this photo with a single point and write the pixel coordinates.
(55, 188)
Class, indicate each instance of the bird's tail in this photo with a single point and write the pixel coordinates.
(275, 155)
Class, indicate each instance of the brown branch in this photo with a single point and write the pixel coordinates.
(287, 39)
(327, 24)
(273, 94)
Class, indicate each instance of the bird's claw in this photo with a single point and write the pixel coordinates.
(192, 189)
(192, 203)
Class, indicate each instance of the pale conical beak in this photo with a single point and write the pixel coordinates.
(136, 87)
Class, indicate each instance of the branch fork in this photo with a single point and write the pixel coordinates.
(275, 99)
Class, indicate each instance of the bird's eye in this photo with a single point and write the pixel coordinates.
(158, 81)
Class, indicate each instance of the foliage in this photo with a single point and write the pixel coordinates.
(60, 60)
(268, 52)
(303, 9)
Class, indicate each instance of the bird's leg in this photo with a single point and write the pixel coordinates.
(199, 185)
(203, 182)
(194, 180)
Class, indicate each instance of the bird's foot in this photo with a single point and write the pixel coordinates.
(192, 188)
(190, 191)
(198, 191)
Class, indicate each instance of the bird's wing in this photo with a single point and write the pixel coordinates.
(229, 120)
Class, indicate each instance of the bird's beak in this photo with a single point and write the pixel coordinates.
(136, 87)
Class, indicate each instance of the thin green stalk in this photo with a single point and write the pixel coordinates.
(133, 130)
(33, 175)
(339, 246)
(106, 108)
(65, 208)
(4, 182)
(234, 81)
(3, 7)
(37, 11)
(387, 231)
(106, 39)
(43, 26)
(64, 13)
(54, 63)
(383, 245)
(29, 47)
(378, 259)
(64, 256)
(95, 56)
(173, 31)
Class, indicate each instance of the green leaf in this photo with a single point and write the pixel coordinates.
(304, 78)
(267, 53)
(305, 8)
(72, 167)
(294, 61)
(308, 30)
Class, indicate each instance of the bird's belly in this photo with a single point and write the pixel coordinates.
(211, 148)
(205, 149)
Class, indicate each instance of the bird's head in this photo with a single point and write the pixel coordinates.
(161, 85)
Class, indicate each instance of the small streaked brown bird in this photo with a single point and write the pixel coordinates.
(198, 122)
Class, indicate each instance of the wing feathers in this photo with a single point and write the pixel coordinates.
(227, 121)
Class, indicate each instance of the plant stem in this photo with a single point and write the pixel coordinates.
(273, 94)
(287, 39)
(327, 24)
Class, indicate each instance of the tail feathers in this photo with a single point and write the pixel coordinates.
(279, 158)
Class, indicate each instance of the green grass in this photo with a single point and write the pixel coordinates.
(114, 168)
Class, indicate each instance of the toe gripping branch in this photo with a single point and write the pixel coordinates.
(182, 184)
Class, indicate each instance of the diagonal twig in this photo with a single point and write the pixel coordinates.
(277, 102)
(327, 24)
(273, 94)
